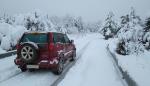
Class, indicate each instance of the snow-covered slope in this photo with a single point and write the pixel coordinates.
(10, 35)
(137, 66)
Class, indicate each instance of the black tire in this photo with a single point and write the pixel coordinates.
(73, 57)
(60, 67)
(28, 53)
(23, 69)
(31, 70)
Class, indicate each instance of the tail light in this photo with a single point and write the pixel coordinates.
(51, 46)
(17, 46)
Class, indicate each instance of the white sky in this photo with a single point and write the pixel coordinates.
(90, 10)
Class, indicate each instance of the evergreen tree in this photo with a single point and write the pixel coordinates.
(34, 23)
(125, 20)
(110, 27)
(70, 24)
(94, 27)
(147, 25)
(131, 33)
(79, 24)
(146, 35)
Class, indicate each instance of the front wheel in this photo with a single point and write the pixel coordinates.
(73, 57)
(59, 68)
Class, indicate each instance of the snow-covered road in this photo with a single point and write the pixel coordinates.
(93, 68)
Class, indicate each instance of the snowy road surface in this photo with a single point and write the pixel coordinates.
(94, 68)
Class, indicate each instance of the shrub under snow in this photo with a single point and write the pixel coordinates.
(10, 35)
(130, 34)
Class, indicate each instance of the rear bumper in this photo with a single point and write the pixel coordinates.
(18, 61)
(43, 64)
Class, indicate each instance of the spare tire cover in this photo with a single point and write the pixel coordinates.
(28, 53)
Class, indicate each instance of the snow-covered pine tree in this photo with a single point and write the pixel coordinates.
(130, 27)
(98, 26)
(79, 24)
(34, 22)
(110, 27)
(57, 21)
(69, 24)
(94, 27)
(131, 32)
(146, 35)
(7, 19)
(147, 25)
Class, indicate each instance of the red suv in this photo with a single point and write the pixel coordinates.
(44, 50)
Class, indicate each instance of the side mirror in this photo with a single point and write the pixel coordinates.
(71, 41)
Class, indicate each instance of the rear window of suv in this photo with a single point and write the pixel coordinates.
(58, 38)
(36, 38)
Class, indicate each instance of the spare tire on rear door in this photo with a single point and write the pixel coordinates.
(28, 52)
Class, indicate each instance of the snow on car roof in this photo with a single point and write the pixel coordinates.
(38, 32)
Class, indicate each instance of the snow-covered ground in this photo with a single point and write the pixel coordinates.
(2, 51)
(9, 35)
(137, 66)
(94, 68)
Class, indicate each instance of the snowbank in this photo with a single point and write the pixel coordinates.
(10, 35)
(5, 28)
(137, 66)
(2, 51)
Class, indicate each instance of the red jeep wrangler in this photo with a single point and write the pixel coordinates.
(44, 50)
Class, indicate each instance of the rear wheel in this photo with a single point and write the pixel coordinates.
(31, 70)
(59, 68)
(23, 69)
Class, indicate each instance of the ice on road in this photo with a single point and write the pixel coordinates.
(94, 68)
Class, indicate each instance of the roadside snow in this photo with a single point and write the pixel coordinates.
(10, 35)
(5, 28)
(8, 68)
(94, 68)
(2, 51)
(137, 66)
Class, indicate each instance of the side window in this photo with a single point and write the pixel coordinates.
(58, 38)
(66, 38)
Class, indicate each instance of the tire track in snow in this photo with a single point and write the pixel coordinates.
(69, 65)
(66, 69)
(8, 54)
(8, 70)
(11, 76)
